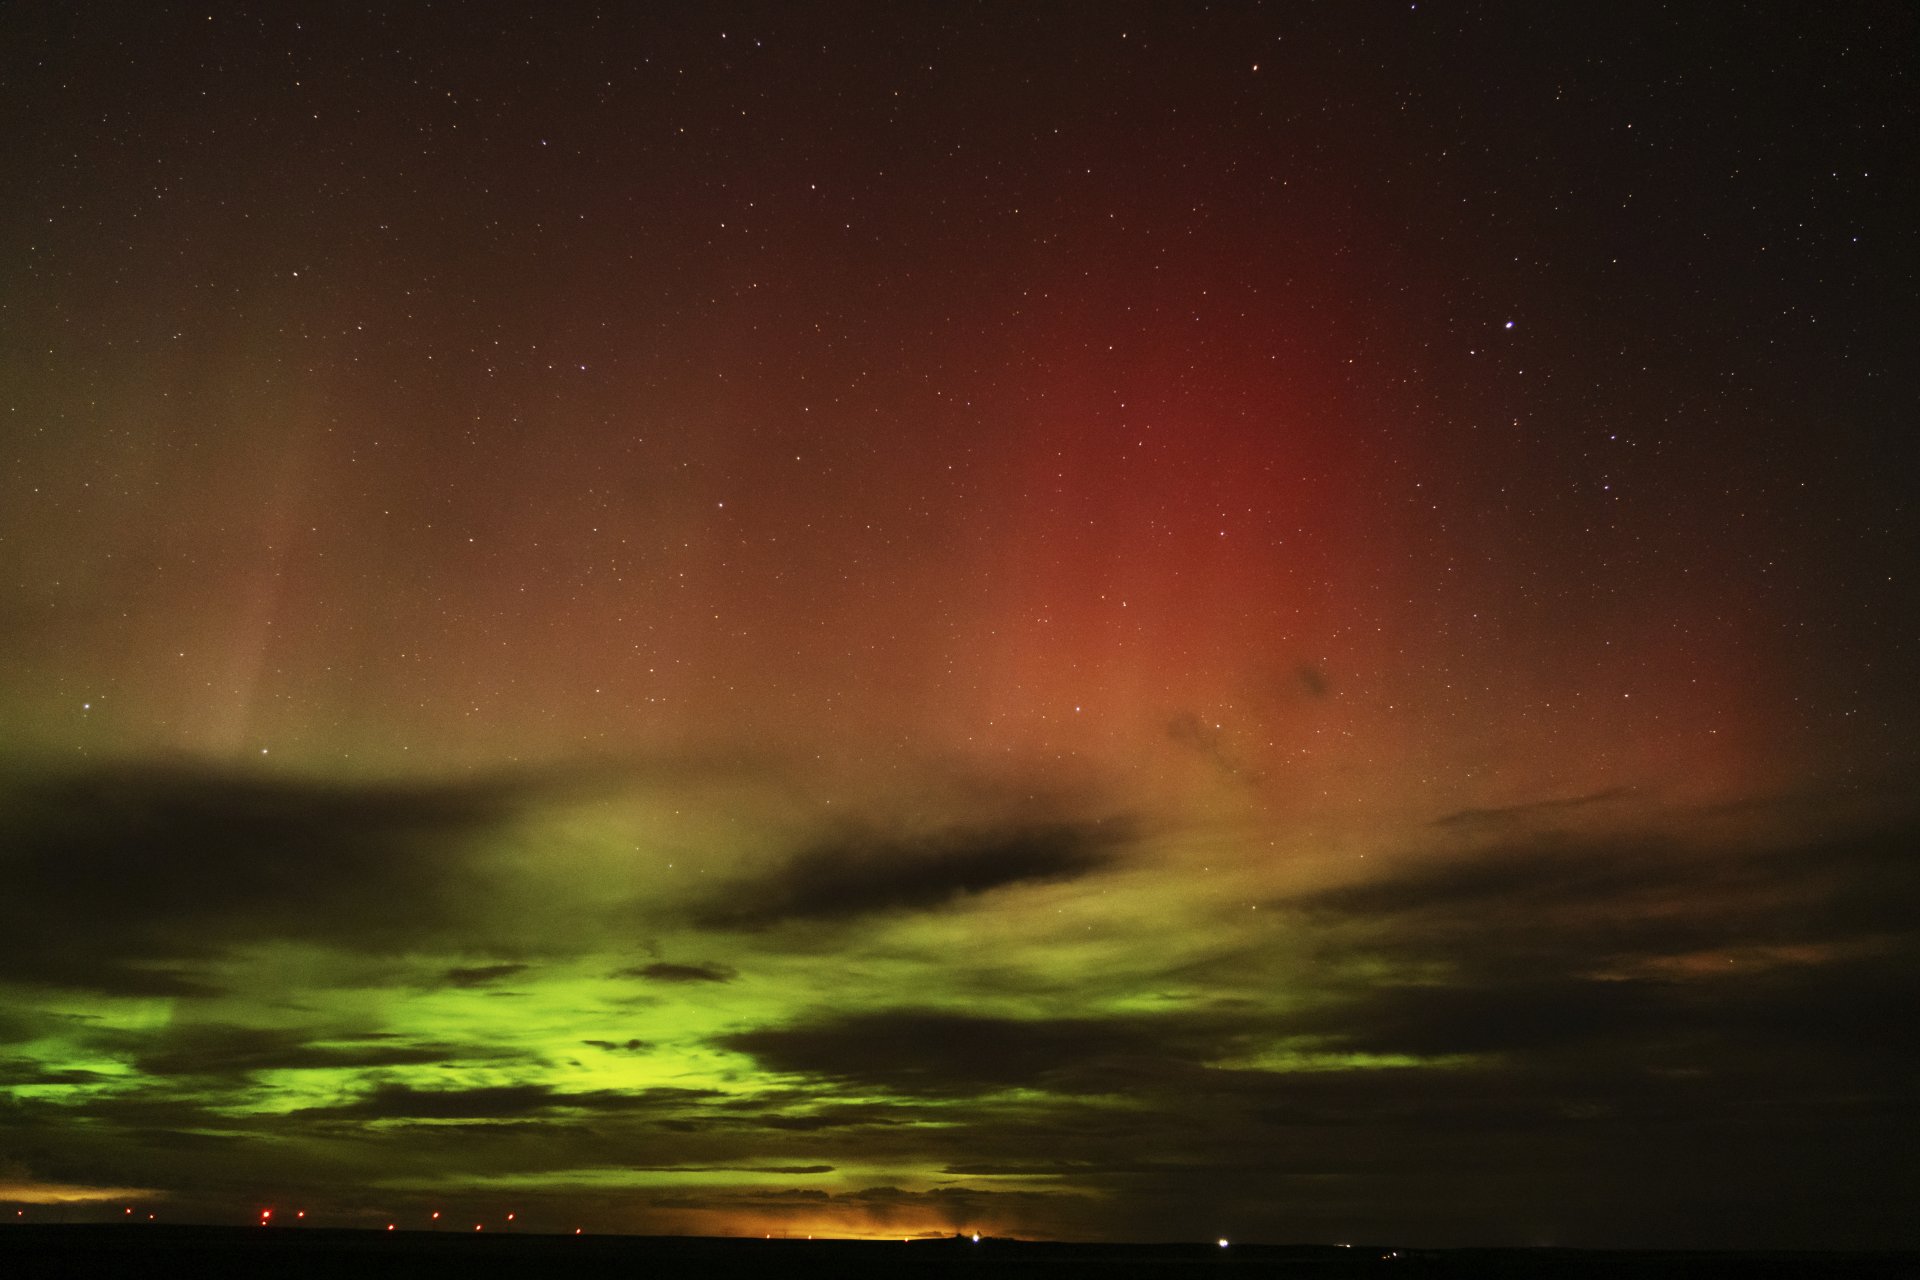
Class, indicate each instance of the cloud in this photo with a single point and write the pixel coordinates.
(220, 1049)
(1209, 742)
(1509, 814)
(481, 975)
(852, 1115)
(1313, 680)
(1549, 871)
(1436, 1020)
(1683, 950)
(1592, 899)
(15, 1072)
(496, 1102)
(800, 1170)
(664, 972)
(123, 879)
(924, 1052)
(863, 875)
(620, 1046)
(18, 1028)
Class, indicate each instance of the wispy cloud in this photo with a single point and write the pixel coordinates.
(860, 875)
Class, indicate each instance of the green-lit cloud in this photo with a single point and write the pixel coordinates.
(229, 987)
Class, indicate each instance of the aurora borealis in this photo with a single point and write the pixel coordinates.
(1081, 620)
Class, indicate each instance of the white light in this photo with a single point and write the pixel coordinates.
(1223, 1242)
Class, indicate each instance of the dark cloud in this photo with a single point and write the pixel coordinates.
(496, 1102)
(865, 875)
(1528, 812)
(1859, 1005)
(16, 1072)
(40, 961)
(1438, 1019)
(800, 1170)
(620, 1046)
(1689, 952)
(121, 879)
(481, 975)
(1599, 900)
(1551, 871)
(912, 1051)
(112, 1116)
(219, 1049)
(1208, 741)
(662, 971)
(855, 1115)
(1082, 1171)
(1313, 680)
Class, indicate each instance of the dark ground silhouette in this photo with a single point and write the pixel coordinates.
(214, 1252)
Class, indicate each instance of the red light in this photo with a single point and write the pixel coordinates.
(389, 1226)
(301, 1214)
(476, 1226)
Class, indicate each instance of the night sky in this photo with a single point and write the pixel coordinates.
(1093, 620)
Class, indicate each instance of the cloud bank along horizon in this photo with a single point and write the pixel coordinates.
(833, 624)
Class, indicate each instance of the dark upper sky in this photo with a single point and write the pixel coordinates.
(1094, 620)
